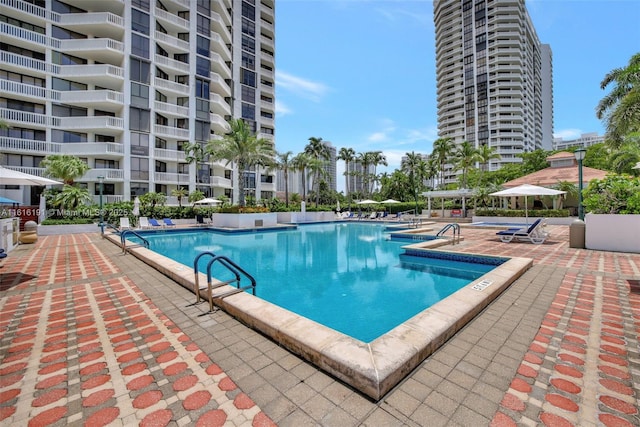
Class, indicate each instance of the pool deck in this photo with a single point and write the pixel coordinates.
(89, 336)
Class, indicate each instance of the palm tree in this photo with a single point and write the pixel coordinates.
(180, 193)
(241, 146)
(413, 167)
(285, 162)
(153, 199)
(71, 197)
(66, 167)
(442, 149)
(318, 150)
(348, 155)
(365, 161)
(300, 163)
(621, 107)
(377, 159)
(486, 153)
(466, 156)
(316, 168)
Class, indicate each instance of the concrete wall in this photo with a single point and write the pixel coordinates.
(618, 233)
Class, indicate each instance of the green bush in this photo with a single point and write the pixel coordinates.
(68, 220)
(514, 213)
(615, 194)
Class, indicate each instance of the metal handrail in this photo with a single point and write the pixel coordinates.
(234, 268)
(123, 240)
(107, 225)
(455, 227)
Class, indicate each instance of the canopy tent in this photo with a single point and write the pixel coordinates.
(527, 190)
(208, 201)
(463, 193)
(14, 177)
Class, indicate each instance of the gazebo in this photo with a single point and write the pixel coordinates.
(463, 193)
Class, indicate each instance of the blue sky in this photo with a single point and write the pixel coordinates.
(361, 73)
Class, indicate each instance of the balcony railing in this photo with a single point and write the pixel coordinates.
(8, 144)
(108, 174)
(107, 198)
(11, 115)
(18, 61)
(23, 6)
(90, 97)
(172, 178)
(170, 17)
(174, 42)
(93, 148)
(218, 181)
(171, 131)
(164, 154)
(171, 109)
(16, 88)
(172, 63)
(171, 86)
(100, 122)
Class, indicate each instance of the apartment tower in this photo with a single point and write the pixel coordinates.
(493, 78)
(126, 84)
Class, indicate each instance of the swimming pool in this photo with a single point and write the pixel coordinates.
(375, 367)
(348, 276)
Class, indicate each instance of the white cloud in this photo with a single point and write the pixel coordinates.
(301, 87)
(282, 109)
(568, 134)
(395, 15)
(377, 137)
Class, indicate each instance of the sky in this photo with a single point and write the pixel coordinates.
(361, 73)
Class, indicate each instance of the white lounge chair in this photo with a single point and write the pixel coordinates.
(534, 234)
(143, 222)
(124, 223)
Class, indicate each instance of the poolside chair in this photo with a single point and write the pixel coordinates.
(154, 223)
(168, 222)
(124, 223)
(534, 234)
(143, 222)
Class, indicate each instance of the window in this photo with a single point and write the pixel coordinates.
(203, 25)
(58, 135)
(139, 95)
(21, 78)
(66, 85)
(248, 61)
(107, 189)
(247, 77)
(140, 46)
(202, 130)
(106, 164)
(104, 138)
(161, 166)
(59, 110)
(22, 24)
(248, 27)
(139, 168)
(139, 144)
(141, 4)
(140, 22)
(248, 44)
(248, 111)
(61, 33)
(161, 97)
(202, 108)
(202, 89)
(203, 66)
(183, 168)
(203, 46)
(139, 119)
(248, 11)
(204, 7)
(249, 94)
(23, 133)
(139, 188)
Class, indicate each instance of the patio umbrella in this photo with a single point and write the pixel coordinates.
(389, 201)
(207, 201)
(338, 206)
(367, 202)
(136, 206)
(13, 177)
(527, 190)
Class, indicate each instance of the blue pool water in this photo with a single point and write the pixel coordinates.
(348, 276)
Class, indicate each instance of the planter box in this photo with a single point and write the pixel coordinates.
(245, 220)
(618, 233)
(298, 217)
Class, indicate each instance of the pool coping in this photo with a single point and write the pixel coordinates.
(372, 368)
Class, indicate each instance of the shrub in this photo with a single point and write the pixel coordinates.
(615, 194)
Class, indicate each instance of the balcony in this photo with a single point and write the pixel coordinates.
(218, 65)
(20, 37)
(219, 26)
(218, 124)
(173, 65)
(219, 105)
(102, 75)
(108, 174)
(106, 100)
(171, 22)
(101, 50)
(19, 63)
(218, 84)
(24, 11)
(107, 198)
(171, 44)
(218, 45)
(171, 132)
(173, 155)
(107, 149)
(21, 118)
(19, 145)
(177, 88)
(218, 181)
(98, 24)
(267, 58)
(173, 201)
(113, 6)
(24, 92)
(104, 125)
(171, 110)
(170, 178)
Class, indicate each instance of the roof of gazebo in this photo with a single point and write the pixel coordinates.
(553, 176)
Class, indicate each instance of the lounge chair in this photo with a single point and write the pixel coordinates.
(168, 222)
(200, 220)
(143, 222)
(124, 223)
(154, 223)
(534, 234)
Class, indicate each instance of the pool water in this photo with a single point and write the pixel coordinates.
(348, 276)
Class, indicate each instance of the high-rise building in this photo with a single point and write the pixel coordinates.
(493, 78)
(585, 140)
(126, 84)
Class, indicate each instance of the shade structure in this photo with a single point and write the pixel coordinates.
(527, 190)
(367, 202)
(208, 201)
(389, 201)
(13, 177)
(5, 201)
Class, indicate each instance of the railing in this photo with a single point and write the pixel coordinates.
(123, 240)
(234, 268)
(456, 229)
(113, 227)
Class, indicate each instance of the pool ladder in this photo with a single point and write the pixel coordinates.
(456, 229)
(234, 268)
(123, 240)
